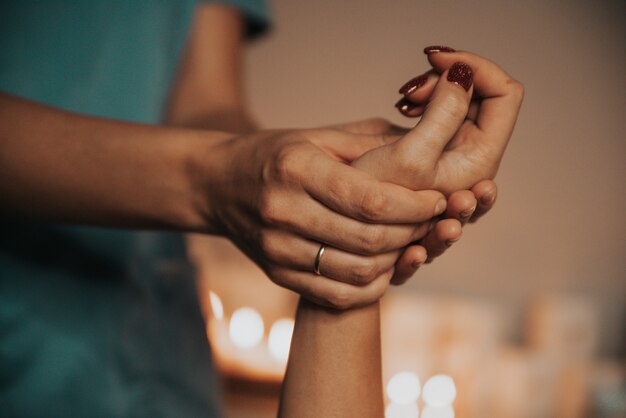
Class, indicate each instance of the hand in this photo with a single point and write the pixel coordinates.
(485, 157)
(445, 151)
(279, 194)
(463, 205)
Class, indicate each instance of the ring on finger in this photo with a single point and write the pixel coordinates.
(318, 259)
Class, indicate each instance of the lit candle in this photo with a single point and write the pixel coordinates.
(439, 391)
(279, 340)
(403, 388)
(246, 328)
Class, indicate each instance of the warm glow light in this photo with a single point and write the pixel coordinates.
(396, 410)
(279, 340)
(439, 390)
(246, 328)
(216, 306)
(403, 388)
(437, 412)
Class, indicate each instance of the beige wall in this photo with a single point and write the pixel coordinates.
(560, 221)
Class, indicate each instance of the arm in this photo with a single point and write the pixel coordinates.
(334, 366)
(208, 91)
(57, 166)
(254, 189)
(338, 374)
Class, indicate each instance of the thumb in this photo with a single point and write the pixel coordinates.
(444, 115)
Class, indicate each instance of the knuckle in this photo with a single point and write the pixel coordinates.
(286, 161)
(365, 272)
(373, 205)
(268, 209)
(372, 238)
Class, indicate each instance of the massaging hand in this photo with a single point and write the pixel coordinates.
(307, 195)
(279, 194)
(468, 151)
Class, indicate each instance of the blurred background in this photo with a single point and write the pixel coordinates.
(526, 314)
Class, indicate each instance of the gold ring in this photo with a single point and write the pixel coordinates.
(318, 258)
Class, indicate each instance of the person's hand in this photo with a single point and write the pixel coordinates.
(463, 206)
(446, 150)
(482, 144)
(279, 194)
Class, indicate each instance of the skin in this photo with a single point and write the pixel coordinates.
(334, 369)
(61, 167)
(228, 181)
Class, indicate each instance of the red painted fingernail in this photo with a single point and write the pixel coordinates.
(461, 74)
(405, 106)
(413, 84)
(438, 48)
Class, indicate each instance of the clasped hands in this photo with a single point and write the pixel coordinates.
(382, 199)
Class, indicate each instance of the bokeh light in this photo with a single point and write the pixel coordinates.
(216, 306)
(279, 340)
(437, 412)
(439, 391)
(396, 410)
(403, 388)
(246, 328)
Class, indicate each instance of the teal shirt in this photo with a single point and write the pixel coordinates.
(99, 322)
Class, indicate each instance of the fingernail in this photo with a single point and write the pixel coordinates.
(405, 106)
(438, 48)
(413, 84)
(461, 74)
(488, 198)
(440, 206)
(467, 213)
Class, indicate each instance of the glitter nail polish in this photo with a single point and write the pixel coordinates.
(438, 48)
(413, 84)
(461, 74)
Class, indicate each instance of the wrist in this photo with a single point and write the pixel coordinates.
(206, 162)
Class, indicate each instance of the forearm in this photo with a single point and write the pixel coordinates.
(334, 365)
(61, 167)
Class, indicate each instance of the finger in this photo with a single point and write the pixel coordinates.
(419, 89)
(359, 195)
(293, 252)
(443, 116)
(486, 193)
(409, 109)
(461, 206)
(502, 95)
(331, 293)
(318, 223)
(408, 263)
(474, 108)
(445, 233)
